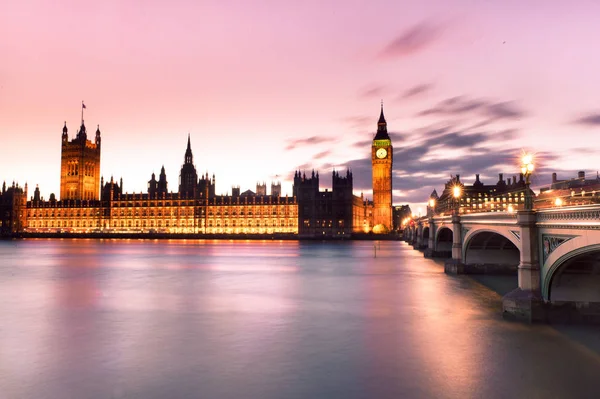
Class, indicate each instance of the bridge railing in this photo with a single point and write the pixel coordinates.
(575, 216)
(489, 218)
(442, 219)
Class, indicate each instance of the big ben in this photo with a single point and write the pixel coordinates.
(381, 160)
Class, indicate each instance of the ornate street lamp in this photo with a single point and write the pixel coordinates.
(527, 169)
(456, 193)
(431, 207)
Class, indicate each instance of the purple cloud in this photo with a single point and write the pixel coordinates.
(416, 91)
(459, 105)
(308, 141)
(413, 40)
(372, 91)
(592, 119)
(321, 154)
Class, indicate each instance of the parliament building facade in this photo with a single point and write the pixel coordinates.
(89, 205)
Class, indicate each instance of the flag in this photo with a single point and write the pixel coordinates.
(83, 105)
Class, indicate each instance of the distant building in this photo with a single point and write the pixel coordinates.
(13, 209)
(261, 189)
(571, 192)
(80, 166)
(505, 195)
(400, 213)
(332, 213)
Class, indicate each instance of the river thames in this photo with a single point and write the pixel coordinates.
(272, 319)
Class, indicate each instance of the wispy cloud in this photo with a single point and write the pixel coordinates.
(416, 91)
(321, 155)
(414, 39)
(591, 119)
(460, 105)
(359, 122)
(372, 91)
(307, 141)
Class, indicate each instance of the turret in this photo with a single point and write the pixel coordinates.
(82, 134)
(189, 158)
(152, 186)
(162, 181)
(65, 134)
(98, 136)
(36, 193)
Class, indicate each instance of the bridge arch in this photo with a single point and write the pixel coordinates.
(492, 247)
(443, 239)
(572, 271)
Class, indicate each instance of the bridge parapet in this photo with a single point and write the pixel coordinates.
(584, 216)
(491, 218)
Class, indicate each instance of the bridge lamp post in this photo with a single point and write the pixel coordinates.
(431, 207)
(456, 193)
(527, 169)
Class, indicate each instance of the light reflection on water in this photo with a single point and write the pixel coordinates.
(266, 319)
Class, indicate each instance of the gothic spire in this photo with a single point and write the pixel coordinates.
(381, 117)
(188, 152)
(382, 133)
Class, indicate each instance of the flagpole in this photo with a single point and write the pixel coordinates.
(82, 111)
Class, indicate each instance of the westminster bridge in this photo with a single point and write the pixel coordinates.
(555, 254)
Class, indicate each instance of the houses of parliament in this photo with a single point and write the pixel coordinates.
(88, 204)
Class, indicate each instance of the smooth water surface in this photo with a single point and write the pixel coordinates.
(251, 319)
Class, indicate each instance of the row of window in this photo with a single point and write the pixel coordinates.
(162, 223)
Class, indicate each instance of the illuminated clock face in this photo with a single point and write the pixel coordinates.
(381, 153)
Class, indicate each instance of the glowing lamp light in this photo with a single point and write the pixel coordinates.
(527, 166)
(558, 202)
(456, 191)
(510, 208)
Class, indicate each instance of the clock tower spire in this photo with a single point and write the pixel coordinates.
(381, 161)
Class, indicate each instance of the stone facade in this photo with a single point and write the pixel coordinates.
(570, 192)
(335, 213)
(13, 204)
(505, 195)
(80, 166)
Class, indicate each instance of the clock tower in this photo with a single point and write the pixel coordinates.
(381, 160)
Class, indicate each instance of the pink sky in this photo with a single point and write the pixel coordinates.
(248, 79)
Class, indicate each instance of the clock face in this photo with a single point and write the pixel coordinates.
(381, 153)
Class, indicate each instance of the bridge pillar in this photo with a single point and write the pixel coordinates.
(431, 243)
(455, 265)
(525, 303)
(419, 241)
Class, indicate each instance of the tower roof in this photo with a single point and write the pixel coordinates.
(382, 133)
(65, 130)
(188, 151)
(381, 116)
